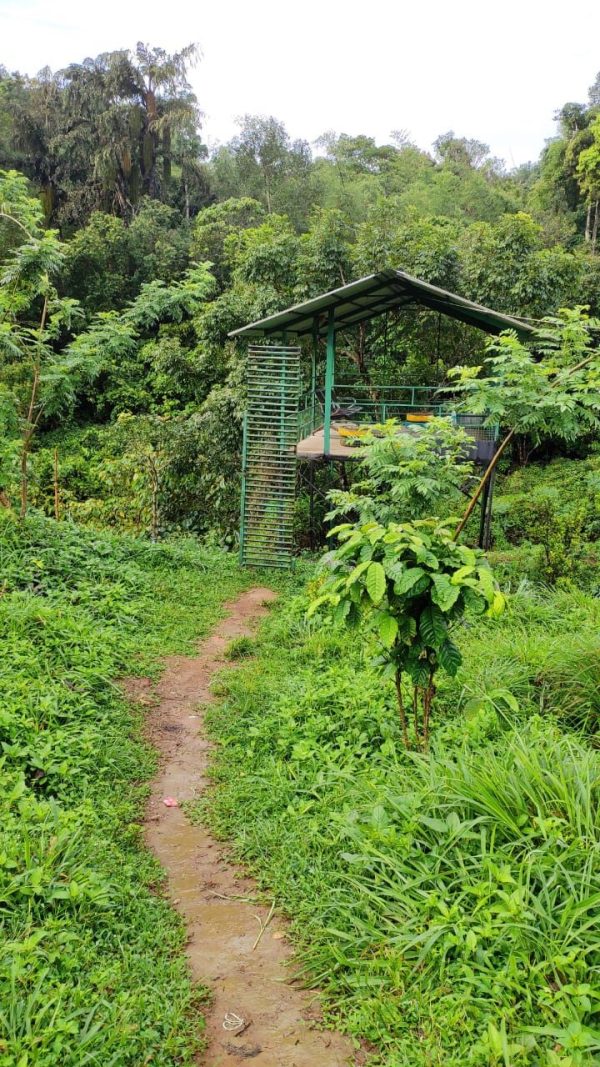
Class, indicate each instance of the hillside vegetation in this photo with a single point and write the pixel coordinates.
(140, 379)
(91, 963)
(407, 753)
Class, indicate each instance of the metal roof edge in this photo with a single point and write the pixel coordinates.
(463, 301)
(295, 314)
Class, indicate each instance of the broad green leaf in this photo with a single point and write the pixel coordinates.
(420, 586)
(342, 610)
(337, 529)
(449, 657)
(379, 818)
(405, 578)
(375, 582)
(444, 593)
(316, 604)
(474, 601)
(462, 572)
(505, 695)
(348, 549)
(423, 555)
(407, 627)
(471, 940)
(388, 630)
(498, 605)
(475, 705)
(417, 666)
(439, 825)
(486, 583)
(432, 626)
(18, 789)
(356, 573)
(356, 593)
(468, 554)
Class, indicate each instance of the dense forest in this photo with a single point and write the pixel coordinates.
(406, 753)
(149, 252)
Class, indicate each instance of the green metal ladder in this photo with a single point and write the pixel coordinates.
(269, 456)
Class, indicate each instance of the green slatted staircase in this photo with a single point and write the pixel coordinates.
(269, 456)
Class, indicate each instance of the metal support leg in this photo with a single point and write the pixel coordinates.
(329, 376)
(311, 505)
(485, 518)
(487, 530)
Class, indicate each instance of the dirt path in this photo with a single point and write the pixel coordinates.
(248, 980)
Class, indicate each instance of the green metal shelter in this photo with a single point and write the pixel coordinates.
(281, 427)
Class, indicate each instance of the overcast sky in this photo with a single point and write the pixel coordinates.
(496, 70)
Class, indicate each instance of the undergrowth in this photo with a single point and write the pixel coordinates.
(92, 970)
(447, 905)
(546, 522)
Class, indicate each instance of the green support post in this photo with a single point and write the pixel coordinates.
(329, 375)
(243, 495)
(313, 376)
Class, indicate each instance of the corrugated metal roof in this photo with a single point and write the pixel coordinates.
(370, 296)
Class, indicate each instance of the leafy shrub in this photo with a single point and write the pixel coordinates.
(413, 584)
(407, 476)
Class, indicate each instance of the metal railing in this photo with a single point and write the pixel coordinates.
(363, 404)
(367, 404)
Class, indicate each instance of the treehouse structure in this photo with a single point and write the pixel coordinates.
(300, 416)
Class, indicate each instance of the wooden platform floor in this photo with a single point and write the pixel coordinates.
(313, 447)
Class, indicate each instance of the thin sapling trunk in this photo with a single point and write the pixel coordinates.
(56, 488)
(402, 709)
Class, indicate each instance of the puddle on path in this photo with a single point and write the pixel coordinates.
(249, 982)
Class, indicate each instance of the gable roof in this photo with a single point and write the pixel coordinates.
(364, 299)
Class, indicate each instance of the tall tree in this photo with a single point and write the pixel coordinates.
(154, 85)
(588, 175)
(102, 134)
(264, 163)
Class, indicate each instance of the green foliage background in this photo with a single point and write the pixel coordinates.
(113, 154)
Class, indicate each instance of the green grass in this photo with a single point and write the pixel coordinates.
(239, 648)
(449, 906)
(92, 970)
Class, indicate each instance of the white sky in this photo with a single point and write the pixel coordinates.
(495, 71)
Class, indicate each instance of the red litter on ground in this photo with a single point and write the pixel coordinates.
(170, 802)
